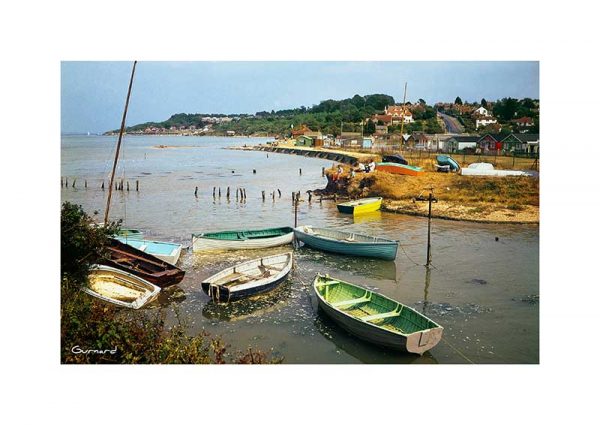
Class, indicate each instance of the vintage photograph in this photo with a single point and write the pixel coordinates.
(306, 212)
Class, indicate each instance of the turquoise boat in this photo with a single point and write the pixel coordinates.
(445, 160)
(166, 251)
(347, 243)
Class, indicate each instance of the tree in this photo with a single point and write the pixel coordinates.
(370, 127)
(458, 100)
(422, 102)
(484, 102)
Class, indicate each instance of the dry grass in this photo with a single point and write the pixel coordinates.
(460, 197)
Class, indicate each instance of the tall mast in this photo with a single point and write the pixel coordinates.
(114, 168)
(402, 115)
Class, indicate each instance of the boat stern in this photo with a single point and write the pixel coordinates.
(419, 342)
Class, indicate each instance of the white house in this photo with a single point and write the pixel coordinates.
(482, 111)
(481, 121)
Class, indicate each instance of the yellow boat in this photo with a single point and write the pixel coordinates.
(360, 206)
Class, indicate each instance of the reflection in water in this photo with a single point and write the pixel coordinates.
(367, 217)
(426, 289)
(256, 306)
(363, 350)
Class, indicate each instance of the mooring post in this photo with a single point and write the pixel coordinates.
(102, 184)
(429, 230)
(219, 192)
(273, 194)
(127, 185)
(300, 171)
(228, 192)
(66, 182)
(309, 196)
(296, 212)
(237, 196)
(513, 159)
(85, 184)
(74, 180)
(263, 195)
(322, 171)
(137, 185)
(253, 171)
(196, 192)
(279, 191)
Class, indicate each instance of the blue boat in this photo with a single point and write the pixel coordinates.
(348, 243)
(166, 251)
(445, 161)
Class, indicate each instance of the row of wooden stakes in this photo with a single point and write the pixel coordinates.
(121, 185)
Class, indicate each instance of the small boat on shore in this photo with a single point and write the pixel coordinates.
(247, 279)
(395, 158)
(487, 169)
(127, 258)
(376, 318)
(360, 206)
(165, 251)
(348, 243)
(119, 287)
(394, 168)
(242, 239)
(445, 162)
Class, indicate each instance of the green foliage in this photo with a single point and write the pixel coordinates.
(81, 243)
(458, 101)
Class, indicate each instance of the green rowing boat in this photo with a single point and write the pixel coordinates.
(375, 317)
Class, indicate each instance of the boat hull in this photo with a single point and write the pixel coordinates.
(200, 243)
(129, 259)
(384, 250)
(360, 206)
(407, 170)
(121, 288)
(217, 286)
(416, 342)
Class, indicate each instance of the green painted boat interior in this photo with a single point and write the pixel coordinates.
(240, 235)
(371, 307)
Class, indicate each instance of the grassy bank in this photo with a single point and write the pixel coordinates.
(494, 199)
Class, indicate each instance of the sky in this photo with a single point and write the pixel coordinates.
(93, 93)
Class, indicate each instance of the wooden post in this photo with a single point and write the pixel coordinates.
(137, 185)
(227, 192)
(85, 184)
(429, 231)
(253, 171)
(102, 184)
(127, 185)
(296, 212)
(309, 197)
(237, 190)
(219, 192)
(322, 171)
(66, 182)
(273, 193)
(214, 189)
(300, 171)
(513, 166)
(74, 180)
(263, 196)
(279, 191)
(196, 192)
(293, 197)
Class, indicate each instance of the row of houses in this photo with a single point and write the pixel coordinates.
(511, 143)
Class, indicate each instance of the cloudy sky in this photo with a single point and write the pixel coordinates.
(93, 93)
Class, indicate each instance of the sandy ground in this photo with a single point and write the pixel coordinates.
(483, 212)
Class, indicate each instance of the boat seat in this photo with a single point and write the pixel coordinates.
(351, 302)
(380, 316)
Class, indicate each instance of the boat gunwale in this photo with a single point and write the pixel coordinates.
(203, 235)
(356, 202)
(376, 240)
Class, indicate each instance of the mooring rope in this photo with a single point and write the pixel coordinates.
(457, 351)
